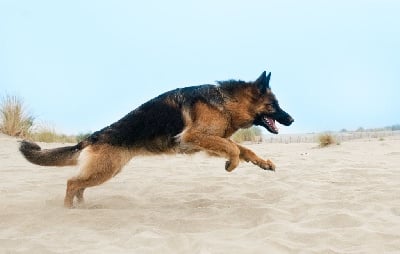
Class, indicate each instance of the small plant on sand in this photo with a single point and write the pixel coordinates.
(326, 140)
(15, 120)
(82, 136)
(48, 134)
(252, 134)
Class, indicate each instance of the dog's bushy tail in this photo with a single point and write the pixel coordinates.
(62, 156)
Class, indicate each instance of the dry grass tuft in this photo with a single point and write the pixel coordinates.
(49, 135)
(252, 134)
(81, 136)
(15, 120)
(326, 140)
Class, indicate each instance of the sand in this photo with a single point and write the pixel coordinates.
(340, 199)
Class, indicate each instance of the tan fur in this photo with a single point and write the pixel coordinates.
(206, 130)
(99, 163)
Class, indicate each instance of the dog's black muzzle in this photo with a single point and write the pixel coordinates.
(283, 118)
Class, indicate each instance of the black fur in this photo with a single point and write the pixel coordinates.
(61, 156)
(155, 124)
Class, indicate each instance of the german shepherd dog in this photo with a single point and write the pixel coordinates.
(184, 120)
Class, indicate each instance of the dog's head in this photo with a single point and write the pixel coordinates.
(269, 110)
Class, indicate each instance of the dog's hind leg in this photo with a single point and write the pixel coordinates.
(248, 155)
(101, 164)
(76, 185)
(79, 195)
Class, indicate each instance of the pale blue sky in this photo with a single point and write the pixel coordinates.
(82, 65)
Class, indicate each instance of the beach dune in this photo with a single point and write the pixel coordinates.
(340, 199)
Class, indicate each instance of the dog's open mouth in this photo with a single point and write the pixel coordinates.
(270, 124)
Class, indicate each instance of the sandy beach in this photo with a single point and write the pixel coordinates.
(340, 199)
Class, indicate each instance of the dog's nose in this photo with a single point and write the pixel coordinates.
(291, 120)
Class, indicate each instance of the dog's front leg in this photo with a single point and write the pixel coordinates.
(214, 145)
(248, 155)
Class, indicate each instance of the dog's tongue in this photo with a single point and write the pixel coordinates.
(272, 124)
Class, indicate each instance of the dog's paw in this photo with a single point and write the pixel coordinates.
(267, 165)
(231, 165)
(228, 166)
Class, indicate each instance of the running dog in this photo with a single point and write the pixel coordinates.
(184, 120)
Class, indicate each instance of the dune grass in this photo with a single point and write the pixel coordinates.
(82, 136)
(252, 134)
(15, 119)
(48, 134)
(325, 140)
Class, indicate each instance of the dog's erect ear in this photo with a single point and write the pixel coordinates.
(263, 82)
